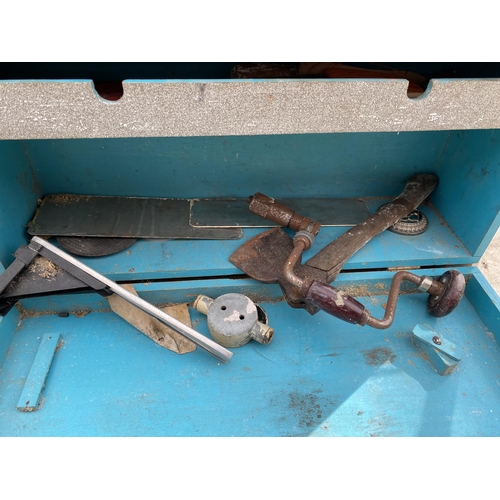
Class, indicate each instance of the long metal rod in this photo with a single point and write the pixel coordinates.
(210, 346)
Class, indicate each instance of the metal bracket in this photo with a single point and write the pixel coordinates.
(443, 354)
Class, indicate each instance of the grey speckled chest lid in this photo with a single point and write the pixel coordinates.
(62, 109)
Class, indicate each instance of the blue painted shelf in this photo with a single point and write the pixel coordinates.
(166, 259)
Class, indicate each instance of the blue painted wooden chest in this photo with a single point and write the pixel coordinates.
(357, 141)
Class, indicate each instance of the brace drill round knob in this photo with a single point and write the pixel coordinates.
(233, 319)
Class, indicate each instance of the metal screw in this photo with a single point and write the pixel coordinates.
(436, 340)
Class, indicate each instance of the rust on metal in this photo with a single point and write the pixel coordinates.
(268, 208)
(393, 296)
(332, 258)
(274, 257)
(264, 256)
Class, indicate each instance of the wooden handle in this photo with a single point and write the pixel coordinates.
(336, 302)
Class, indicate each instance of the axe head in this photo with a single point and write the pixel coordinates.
(263, 258)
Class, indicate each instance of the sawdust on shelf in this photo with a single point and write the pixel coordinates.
(61, 199)
(44, 268)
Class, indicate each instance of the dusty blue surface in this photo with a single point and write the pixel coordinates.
(318, 377)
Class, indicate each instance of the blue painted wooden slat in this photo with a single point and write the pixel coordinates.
(31, 397)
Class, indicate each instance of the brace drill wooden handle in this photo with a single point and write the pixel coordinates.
(337, 303)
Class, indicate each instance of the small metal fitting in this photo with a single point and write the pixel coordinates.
(307, 235)
(233, 319)
(425, 284)
(436, 340)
